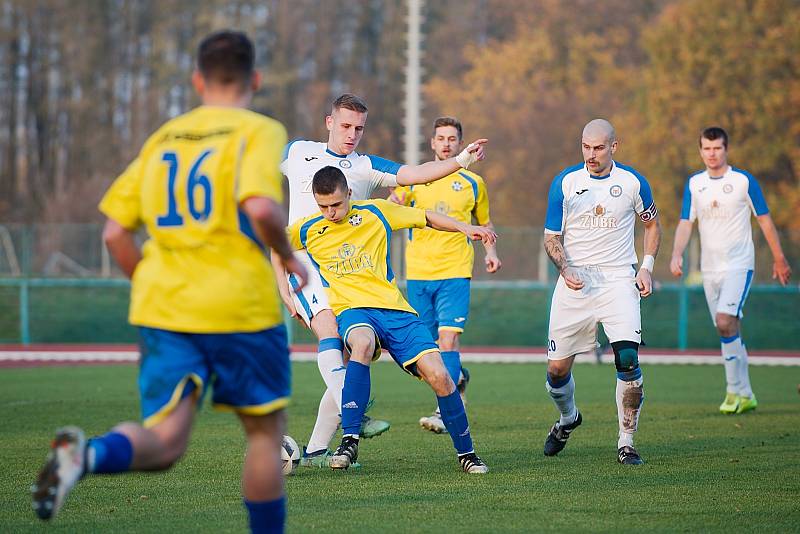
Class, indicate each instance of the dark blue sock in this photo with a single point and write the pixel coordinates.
(355, 396)
(267, 517)
(112, 452)
(452, 360)
(455, 420)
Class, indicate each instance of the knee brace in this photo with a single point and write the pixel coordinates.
(626, 360)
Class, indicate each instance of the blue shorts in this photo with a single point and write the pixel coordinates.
(441, 304)
(250, 371)
(399, 332)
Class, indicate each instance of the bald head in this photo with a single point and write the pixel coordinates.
(599, 142)
(600, 130)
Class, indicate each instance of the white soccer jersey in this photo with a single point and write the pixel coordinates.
(722, 208)
(364, 173)
(597, 214)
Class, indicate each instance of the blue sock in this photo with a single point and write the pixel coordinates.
(355, 396)
(455, 420)
(267, 517)
(452, 360)
(111, 453)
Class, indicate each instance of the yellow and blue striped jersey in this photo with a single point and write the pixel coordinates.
(353, 255)
(203, 270)
(436, 255)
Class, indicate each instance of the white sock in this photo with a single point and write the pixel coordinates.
(630, 397)
(744, 374)
(564, 398)
(327, 423)
(331, 367)
(731, 353)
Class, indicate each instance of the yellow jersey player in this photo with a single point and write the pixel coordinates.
(348, 244)
(207, 188)
(439, 264)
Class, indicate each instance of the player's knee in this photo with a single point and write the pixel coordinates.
(361, 347)
(448, 340)
(436, 375)
(558, 370)
(727, 325)
(626, 360)
(324, 324)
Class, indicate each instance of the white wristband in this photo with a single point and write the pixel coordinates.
(647, 262)
(466, 158)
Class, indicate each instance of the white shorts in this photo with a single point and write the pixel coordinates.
(608, 297)
(726, 292)
(312, 299)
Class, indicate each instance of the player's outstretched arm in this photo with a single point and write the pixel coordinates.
(269, 222)
(682, 235)
(437, 221)
(781, 271)
(433, 170)
(122, 246)
(554, 247)
(652, 242)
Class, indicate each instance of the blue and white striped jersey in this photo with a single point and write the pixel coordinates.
(597, 214)
(722, 208)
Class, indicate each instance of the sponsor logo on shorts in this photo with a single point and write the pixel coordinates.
(351, 405)
(460, 319)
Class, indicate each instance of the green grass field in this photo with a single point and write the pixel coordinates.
(704, 471)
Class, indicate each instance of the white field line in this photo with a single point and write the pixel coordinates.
(481, 357)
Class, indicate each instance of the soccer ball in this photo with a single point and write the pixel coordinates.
(290, 454)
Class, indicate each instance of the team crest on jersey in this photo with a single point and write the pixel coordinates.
(727, 188)
(442, 207)
(599, 210)
(457, 186)
(615, 191)
(345, 163)
(355, 219)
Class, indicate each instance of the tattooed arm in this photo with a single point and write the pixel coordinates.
(554, 247)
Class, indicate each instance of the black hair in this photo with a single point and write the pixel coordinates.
(713, 133)
(328, 180)
(226, 57)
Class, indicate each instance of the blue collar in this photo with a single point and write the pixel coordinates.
(332, 153)
(593, 177)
